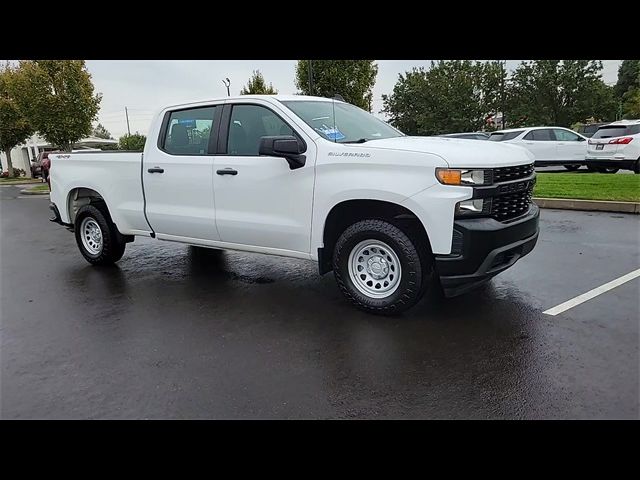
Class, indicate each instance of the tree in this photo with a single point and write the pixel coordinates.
(631, 106)
(352, 79)
(134, 142)
(101, 132)
(258, 86)
(14, 127)
(628, 77)
(57, 97)
(558, 92)
(451, 96)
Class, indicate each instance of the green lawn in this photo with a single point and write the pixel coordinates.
(39, 188)
(19, 180)
(588, 186)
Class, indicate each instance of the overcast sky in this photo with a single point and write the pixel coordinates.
(148, 85)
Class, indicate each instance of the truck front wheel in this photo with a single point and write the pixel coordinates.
(379, 268)
(97, 237)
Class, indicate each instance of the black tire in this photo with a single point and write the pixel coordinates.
(572, 168)
(636, 167)
(113, 242)
(416, 268)
(608, 170)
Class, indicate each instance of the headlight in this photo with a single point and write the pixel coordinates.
(470, 207)
(449, 176)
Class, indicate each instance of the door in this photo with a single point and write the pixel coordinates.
(178, 175)
(542, 143)
(260, 200)
(570, 146)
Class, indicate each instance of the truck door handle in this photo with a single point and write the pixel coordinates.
(227, 171)
(156, 170)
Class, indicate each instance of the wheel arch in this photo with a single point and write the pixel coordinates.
(347, 212)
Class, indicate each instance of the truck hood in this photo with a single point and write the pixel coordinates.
(458, 152)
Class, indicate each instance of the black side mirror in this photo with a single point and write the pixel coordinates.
(285, 146)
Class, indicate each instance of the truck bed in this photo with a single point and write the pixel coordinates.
(115, 176)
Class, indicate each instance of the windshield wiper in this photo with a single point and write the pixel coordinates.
(360, 140)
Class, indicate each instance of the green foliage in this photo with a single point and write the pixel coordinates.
(631, 105)
(133, 142)
(101, 132)
(352, 79)
(257, 86)
(110, 146)
(14, 127)
(628, 77)
(558, 92)
(57, 97)
(451, 96)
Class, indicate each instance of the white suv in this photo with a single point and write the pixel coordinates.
(615, 146)
(550, 145)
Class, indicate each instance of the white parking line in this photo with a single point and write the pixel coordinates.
(563, 307)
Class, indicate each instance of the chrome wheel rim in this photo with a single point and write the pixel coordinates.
(91, 236)
(374, 268)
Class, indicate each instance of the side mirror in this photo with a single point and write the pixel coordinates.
(285, 146)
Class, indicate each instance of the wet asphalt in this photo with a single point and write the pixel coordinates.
(179, 332)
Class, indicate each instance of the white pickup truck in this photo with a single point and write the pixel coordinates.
(312, 178)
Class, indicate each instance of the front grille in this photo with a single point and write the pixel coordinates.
(512, 205)
(505, 174)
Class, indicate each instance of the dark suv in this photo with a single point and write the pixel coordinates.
(589, 129)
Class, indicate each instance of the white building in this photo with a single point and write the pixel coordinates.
(22, 155)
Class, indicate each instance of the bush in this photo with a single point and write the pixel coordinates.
(18, 172)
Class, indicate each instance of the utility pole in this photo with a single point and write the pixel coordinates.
(126, 113)
(310, 78)
(227, 82)
(502, 95)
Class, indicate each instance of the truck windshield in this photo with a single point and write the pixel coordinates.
(350, 125)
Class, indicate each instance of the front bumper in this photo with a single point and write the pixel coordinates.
(485, 247)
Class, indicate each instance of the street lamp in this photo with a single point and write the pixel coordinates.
(226, 83)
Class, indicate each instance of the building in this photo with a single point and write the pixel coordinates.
(22, 155)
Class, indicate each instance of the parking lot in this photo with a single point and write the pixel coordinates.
(178, 332)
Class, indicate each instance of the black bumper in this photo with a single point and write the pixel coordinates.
(56, 217)
(626, 164)
(485, 247)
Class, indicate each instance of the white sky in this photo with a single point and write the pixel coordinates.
(145, 86)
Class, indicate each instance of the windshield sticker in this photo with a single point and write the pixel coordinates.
(332, 133)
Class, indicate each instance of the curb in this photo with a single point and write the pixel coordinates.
(588, 205)
(32, 192)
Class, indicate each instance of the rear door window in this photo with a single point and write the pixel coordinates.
(188, 131)
(541, 135)
(503, 136)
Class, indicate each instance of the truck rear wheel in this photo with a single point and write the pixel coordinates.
(379, 268)
(97, 237)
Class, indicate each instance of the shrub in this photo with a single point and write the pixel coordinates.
(18, 172)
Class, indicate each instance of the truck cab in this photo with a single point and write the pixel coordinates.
(312, 178)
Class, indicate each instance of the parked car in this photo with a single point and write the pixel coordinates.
(310, 178)
(615, 146)
(550, 145)
(589, 129)
(468, 135)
